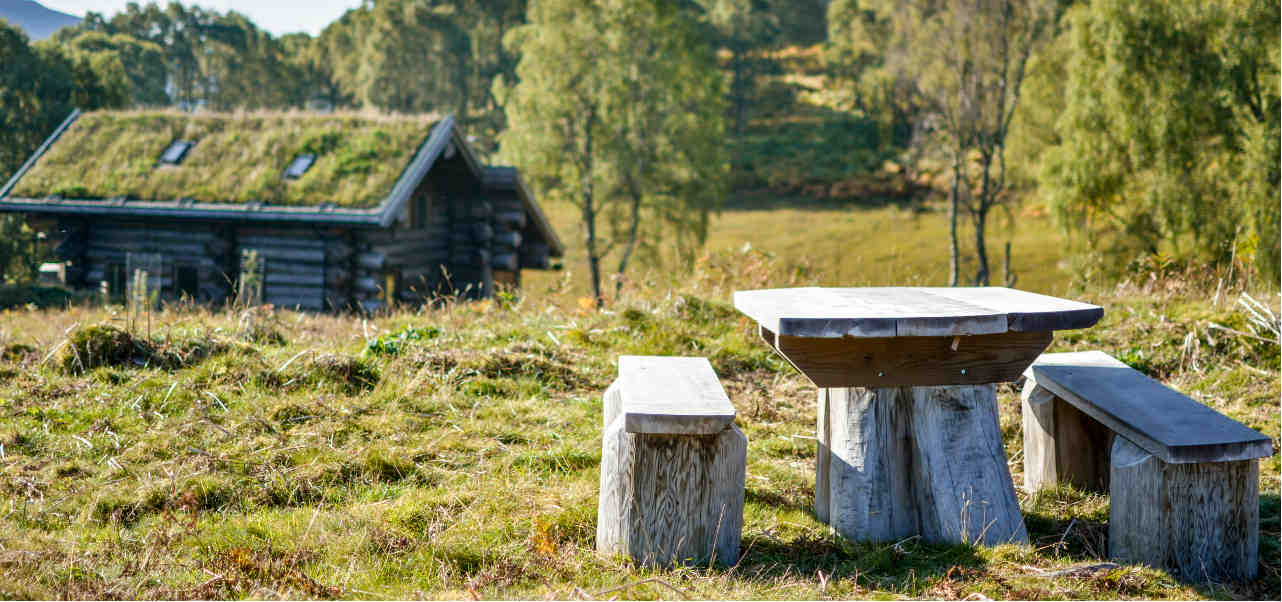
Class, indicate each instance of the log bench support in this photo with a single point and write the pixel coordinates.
(1183, 479)
(897, 462)
(672, 465)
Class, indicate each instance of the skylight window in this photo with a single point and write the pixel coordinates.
(176, 152)
(299, 166)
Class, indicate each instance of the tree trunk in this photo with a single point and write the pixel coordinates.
(915, 461)
(952, 221)
(589, 215)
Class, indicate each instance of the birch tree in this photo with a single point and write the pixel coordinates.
(618, 110)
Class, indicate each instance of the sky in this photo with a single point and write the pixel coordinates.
(277, 16)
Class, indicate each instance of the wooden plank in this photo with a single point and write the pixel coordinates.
(909, 312)
(912, 361)
(1025, 311)
(672, 396)
(1170, 425)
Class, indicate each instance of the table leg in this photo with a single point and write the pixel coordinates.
(905, 461)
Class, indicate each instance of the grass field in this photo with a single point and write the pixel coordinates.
(453, 452)
(843, 244)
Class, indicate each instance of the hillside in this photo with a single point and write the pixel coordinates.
(37, 20)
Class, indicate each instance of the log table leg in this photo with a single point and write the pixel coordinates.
(902, 461)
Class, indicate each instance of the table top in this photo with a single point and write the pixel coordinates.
(879, 312)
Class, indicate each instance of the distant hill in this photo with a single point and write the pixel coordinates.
(34, 18)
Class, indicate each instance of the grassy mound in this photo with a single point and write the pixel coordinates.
(104, 345)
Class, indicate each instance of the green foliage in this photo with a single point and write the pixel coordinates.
(142, 61)
(1167, 138)
(619, 111)
(395, 343)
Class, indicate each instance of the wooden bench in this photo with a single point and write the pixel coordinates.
(1183, 479)
(672, 465)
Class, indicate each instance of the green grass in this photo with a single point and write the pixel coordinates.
(453, 452)
(238, 158)
(761, 240)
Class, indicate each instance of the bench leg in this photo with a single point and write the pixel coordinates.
(1061, 444)
(926, 461)
(669, 499)
(1200, 521)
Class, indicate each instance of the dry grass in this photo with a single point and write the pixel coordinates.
(237, 158)
(461, 461)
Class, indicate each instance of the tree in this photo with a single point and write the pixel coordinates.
(746, 30)
(966, 60)
(1168, 141)
(618, 110)
(143, 62)
(39, 87)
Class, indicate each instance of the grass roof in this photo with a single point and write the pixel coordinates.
(237, 158)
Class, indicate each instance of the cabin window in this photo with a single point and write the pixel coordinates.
(187, 281)
(299, 166)
(176, 152)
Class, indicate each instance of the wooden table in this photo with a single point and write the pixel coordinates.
(909, 438)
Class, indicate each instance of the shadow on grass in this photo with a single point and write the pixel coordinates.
(907, 566)
(775, 501)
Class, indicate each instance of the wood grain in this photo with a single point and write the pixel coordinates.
(1167, 423)
(911, 361)
(905, 461)
(1200, 521)
(669, 499)
(879, 312)
(672, 395)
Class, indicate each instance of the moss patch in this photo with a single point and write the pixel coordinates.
(237, 158)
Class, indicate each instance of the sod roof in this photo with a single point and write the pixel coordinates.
(237, 158)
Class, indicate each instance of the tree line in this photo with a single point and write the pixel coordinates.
(1149, 128)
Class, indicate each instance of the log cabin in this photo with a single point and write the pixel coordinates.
(316, 211)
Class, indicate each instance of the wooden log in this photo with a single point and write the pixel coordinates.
(1062, 444)
(535, 258)
(1200, 521)
(315, 279)
(669, 499)
(911, 361)
(505, 261)
(510, 240)
(371, 260)
(905, 461)
(512, 220)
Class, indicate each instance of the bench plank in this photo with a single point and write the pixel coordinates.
(1168, 424)
(662, 395)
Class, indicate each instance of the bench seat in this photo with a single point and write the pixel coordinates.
(1183, 479)
(673, 464)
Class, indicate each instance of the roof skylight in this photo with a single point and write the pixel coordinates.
(176, 152)
(299, 166)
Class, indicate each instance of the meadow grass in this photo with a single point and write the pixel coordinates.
(453, 451)
(834, 243)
